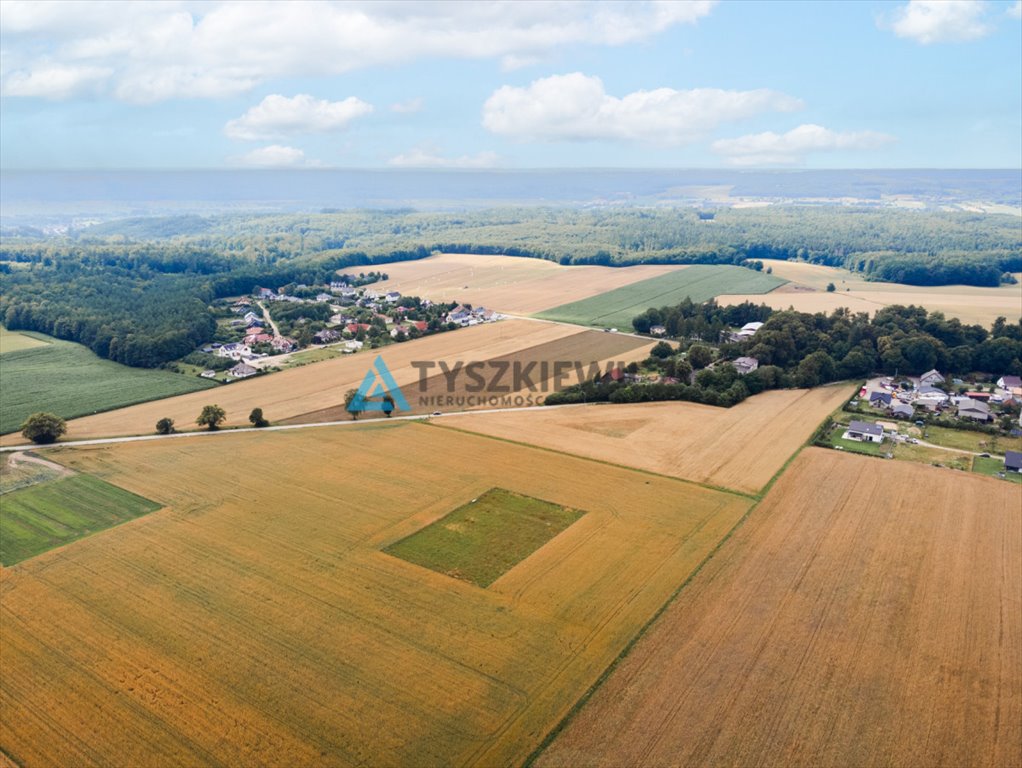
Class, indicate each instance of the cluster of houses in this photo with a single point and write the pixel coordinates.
(464, 316)
(927, 396)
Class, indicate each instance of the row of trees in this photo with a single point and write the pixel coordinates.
(44, 428)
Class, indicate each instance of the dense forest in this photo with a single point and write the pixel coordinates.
(137, 290)
(797, 349)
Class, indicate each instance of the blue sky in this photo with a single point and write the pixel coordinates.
(513, 84)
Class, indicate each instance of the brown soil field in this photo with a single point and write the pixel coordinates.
(256, 621)
(739, 448)
(437, 393)
(312, 387)
(867, 614)
(969, 303)
(507, 283)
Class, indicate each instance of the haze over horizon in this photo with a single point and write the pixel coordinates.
(511, 86)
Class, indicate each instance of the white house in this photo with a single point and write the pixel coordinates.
(930, 378)
(657, 330)
(1010, 382)
(242, 371)
(864, 432)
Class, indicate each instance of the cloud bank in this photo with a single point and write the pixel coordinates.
(153, 51)
(576, 107)
(791, 148)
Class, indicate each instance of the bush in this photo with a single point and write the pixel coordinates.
(165, 426)
(43, 428)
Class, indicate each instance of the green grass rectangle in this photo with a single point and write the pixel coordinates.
(992, 466)
(617, 308)
(51, 514)
(482, 540)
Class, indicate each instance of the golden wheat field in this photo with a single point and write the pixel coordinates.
(254, 620)
(311, 388)
(866, 614)
(807, 293)
(507, 283)
(495, 385)
(740, 447)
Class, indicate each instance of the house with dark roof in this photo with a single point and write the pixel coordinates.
(902, 411)
(1013, 461)
(864, 432)
(1010, 382)
(880, 399)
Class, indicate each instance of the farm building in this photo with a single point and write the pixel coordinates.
(208, 374)
(1010, 382)
(657, 330)
(1013, 461)
(973, 409)
(864, 432)
(745, 365)
(930, 378)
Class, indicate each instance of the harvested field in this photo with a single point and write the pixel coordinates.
(257, 621)
(807, 293)
(867, 614)
(740, 447)
(13, 341)
(617, 308)
(507, 283)
(309, 388)
(493, 384)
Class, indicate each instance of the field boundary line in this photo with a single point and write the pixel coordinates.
(584, 699)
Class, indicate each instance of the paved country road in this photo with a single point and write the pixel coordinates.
(346, 422)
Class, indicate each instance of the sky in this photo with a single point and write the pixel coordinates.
(698, 84)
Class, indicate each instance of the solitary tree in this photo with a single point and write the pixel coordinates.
(165, 426)
(212, 416)
(256, 417)
(349, 403)
(388, 405)
(831, 288)
(43, 428)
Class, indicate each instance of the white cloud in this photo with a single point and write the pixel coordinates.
(426, 156)
(277, 116)
(55, 81)
(576, 107)
(1015, 11)
(791, 148)
(273, 156)
(408, 107)
(163, 50)
(940, 21)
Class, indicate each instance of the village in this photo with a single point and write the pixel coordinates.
(974, 423)
(298, 324)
